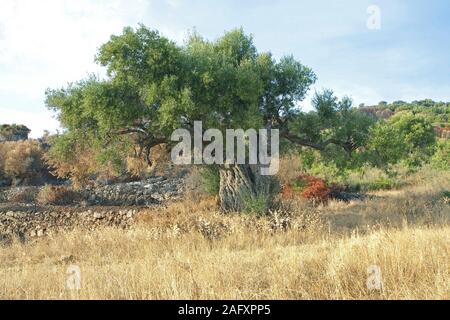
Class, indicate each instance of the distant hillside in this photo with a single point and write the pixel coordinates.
(437, 113)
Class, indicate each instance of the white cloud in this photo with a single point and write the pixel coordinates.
(174, 3)
(49, 43)
(61, 34)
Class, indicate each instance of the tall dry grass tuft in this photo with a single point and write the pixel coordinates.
(290, 168)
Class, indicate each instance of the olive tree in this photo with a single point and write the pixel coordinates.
(155, 86)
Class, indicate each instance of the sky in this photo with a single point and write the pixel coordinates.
(376, 50)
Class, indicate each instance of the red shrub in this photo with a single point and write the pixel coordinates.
(287, 191)
(307, 187)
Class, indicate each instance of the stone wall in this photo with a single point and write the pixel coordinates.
(26, 224)
(109, 205)
(141, 193)
(151, 191)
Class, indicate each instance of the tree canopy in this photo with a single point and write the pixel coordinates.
(405, 136)
(155, 86)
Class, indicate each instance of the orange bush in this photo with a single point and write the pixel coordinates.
(308, 187)
(86, 168)
(21, 160)
(82, 170)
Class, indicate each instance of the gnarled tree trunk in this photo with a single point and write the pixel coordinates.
(242, 187)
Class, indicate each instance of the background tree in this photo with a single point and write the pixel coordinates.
(404, 137)
(13, 132)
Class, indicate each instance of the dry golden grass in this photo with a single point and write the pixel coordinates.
(132, 265)
(188, 251)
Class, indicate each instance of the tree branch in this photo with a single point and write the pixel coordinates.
(348, 147)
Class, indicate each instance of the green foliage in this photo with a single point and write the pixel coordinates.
(438, 113)
(63, 147)
(264, 198)
(308, 158)
(382, 183)
(256, 205)
(211, 179)
(441, 157)
(328, 171)
(404, 137)
(385, 146)
(335, 127)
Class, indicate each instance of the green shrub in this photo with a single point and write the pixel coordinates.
(405, 137)
(329, 172)
(446, 196)
(260, 204)
(257, 205)
(381, 184)
(441, 157)
(211, 179)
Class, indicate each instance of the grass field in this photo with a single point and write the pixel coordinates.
(189, 251)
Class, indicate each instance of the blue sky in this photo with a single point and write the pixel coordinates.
(50, 43)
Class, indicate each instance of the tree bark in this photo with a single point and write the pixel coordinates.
(242, 187)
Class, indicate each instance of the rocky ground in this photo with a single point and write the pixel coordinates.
(107, 205)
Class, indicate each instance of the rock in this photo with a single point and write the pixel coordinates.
(98, 215)
(346, 196)
(5, 239)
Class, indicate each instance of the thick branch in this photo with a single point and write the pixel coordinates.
(348, 147)
(303, 142)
